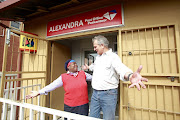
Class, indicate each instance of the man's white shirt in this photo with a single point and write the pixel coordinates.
(107, 70)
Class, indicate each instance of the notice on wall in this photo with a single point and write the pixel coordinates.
(106, 17)
(28, 43)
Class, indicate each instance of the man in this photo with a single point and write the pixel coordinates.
(75, 86)
(107, 69)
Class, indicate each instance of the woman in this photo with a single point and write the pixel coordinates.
(75, 86)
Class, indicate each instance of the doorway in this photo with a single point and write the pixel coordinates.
(81, 50)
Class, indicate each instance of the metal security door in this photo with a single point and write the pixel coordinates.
(157, 49)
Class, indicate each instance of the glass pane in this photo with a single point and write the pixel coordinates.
(15, 24)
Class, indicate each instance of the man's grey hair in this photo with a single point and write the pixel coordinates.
(101, 40)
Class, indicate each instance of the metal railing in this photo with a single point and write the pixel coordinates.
(38, 112)
(9, 76)
(12, 95)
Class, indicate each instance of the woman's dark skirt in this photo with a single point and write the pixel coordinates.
(82, 109)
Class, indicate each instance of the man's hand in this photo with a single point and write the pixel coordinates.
(32, 95)
(136, 79)
(85, 67)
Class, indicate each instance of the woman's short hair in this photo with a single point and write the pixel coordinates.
(101, 40)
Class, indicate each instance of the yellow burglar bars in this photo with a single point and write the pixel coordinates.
(28, 43)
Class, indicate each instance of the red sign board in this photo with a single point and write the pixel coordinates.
(111, 16)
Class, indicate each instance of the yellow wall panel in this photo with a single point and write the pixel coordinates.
(159, 57)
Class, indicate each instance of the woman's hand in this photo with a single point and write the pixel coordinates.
(32, 95)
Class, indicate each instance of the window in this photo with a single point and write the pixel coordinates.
(15, 24)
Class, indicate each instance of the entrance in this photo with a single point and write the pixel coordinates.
(81, 50)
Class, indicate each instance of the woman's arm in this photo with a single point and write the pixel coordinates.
(55, 84)
(88, 76)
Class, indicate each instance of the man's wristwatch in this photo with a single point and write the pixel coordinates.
(129, 76)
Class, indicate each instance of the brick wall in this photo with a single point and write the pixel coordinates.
(13, 46)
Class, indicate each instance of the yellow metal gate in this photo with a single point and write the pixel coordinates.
(23, 71)
(157, 49)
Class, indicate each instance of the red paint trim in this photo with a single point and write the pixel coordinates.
(31, 51)
(29, 33)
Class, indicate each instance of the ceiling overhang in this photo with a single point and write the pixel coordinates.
(24, 10)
